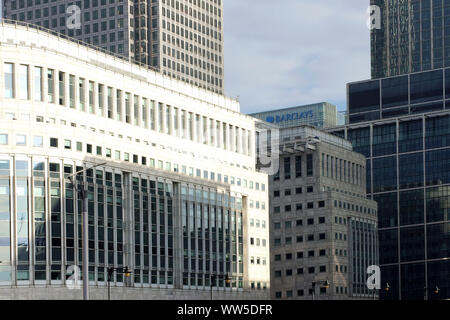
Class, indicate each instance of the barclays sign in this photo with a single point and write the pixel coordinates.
(291, 117)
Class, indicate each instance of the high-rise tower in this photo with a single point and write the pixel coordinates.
(182, 39)
(414, 35)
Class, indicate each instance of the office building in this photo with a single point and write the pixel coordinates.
(180, 38)
(402, 125)
(173, 196)
(319, 115)
(323, 229)
(413, 36)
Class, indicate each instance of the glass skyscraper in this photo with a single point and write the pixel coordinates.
(414, 35)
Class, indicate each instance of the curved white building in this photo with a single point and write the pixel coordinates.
(179, 199)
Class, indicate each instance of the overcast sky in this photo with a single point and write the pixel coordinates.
(283, 53)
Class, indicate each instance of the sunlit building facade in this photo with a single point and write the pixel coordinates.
(172, 196)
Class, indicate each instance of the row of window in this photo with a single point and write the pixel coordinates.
(286, 161)
(342, 170)
(299, 239)
(258, 261)
(258, 242)
(288, 192)
(300, 271)
(38, 141)
(96, 98)
(299, 207)
(258, 223)
(354, 207)
(298, 223)
(300, 255)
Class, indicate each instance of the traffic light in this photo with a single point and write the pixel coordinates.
(126, 272)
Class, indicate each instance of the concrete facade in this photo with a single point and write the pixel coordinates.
(322, 227)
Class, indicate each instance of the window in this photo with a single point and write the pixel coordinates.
(300, 255)
(288, 256)
(276, 193)
(37, 84)
(310, 221)
(287, 168)
(89, 148)
(79, 146)
(299, 223)
(67, 144)
(51, 85)
(3, 139)
(54, 142)
(322, 236)
(322, 269)
(298, 167)
(321, 220)
(278, 257)
(310, 237)
(288, 208)
(321, 204)
(287, 192)
(310, 205)
(9, 80)
(21, 140)
(310, 189)
(310, 253)
(322, 252)
(299, 239)
(38, 141)
(299, 206)
(311, 270)
(309, 165)
(298, 190)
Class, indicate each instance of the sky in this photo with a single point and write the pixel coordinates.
(284, 53)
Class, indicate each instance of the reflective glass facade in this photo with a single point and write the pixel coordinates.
(133, 221)
(408, 161)
(414, 36)
(399, 96)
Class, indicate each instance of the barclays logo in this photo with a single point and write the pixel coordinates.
(270, 119)
(291, 117)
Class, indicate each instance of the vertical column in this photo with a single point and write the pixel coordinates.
(163, 117)
(122, 106)
(114, 103)
(66, 90)
(239, 140)
(232, 138)
(147, 115)
(44, 85)
(76, 93)
(131, 106)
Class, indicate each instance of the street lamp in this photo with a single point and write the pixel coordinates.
(82, 194)
(111, 270)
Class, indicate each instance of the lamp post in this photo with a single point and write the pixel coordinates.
(125, 271)
(82, 194)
